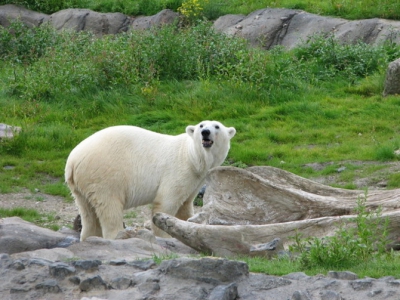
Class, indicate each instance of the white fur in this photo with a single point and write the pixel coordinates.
(125, 166)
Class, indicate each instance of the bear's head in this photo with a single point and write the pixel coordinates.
(213, 137)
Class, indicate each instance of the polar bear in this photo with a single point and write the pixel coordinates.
(121, 167)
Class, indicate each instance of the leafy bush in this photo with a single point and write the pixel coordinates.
(21, 44)
(350, 245)
(79, 62)
(328, 57)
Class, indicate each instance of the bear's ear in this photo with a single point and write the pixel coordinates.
(190, 130)
(231, 132)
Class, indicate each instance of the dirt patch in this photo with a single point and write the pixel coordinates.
(66, 212)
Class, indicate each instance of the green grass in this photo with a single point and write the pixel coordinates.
(30, 215)
(375, 268)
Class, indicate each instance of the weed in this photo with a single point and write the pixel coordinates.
(349, 245)
(158, 259)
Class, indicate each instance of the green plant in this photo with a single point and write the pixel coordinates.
(328, 57)
(158, 259)
(349, 245)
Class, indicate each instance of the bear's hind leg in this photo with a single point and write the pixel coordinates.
(186, 210)
(111, 218)
(90, 222)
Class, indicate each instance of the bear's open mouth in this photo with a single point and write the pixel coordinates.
(207, 143)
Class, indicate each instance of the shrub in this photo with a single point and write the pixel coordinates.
(329, 57)
(21, 44)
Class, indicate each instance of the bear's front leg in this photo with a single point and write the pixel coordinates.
(164, 206)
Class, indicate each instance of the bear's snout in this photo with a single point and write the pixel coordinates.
(205, 132)
(206, 138)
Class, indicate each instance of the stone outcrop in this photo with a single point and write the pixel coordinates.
(85, 19)
(88, 20)
(264, 28)
(10, 13)
(270, 27)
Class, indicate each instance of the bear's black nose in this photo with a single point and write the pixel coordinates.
(205, 132)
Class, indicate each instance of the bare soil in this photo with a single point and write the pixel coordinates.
(65, 212)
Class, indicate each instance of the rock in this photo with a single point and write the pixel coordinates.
(181, 278)
(142, 264)
(210, 270)
(343, 275)
(94, 282)
(11, 12)
(88, 20)
(270, 27)
(392, 80)
(224, 292)
(164, 17)
(87, 264)
(264, 28)
(61, 270)
(17, 235)
(8, 131)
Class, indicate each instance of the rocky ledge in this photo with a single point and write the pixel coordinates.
(54, 265)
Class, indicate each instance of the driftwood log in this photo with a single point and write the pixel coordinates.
(256, 211)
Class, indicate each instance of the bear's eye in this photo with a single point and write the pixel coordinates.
(216, 127)
(201, 125)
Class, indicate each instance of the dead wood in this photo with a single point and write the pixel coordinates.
(233, 240)
(267, 195)
(256, 211)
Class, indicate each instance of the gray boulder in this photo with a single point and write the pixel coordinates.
(164, 17)
(392, 81)
(269, 27)
(88, 20)
(10, 12)
(17, 235)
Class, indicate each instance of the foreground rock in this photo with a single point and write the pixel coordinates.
(182, 278)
